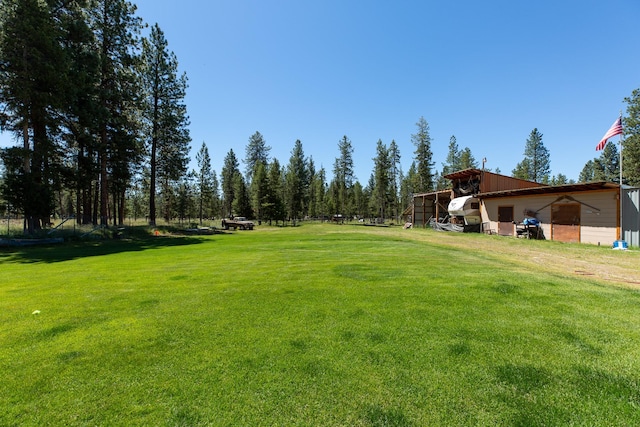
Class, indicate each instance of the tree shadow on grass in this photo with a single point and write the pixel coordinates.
(74, 250)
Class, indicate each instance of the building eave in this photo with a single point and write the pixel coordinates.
(551, 189)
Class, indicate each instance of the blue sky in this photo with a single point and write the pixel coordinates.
(487, 72)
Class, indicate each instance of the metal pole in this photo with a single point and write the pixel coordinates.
(621, 194)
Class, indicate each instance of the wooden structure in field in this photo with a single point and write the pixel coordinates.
(429, 205)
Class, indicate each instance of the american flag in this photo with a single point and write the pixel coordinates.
(615, 129)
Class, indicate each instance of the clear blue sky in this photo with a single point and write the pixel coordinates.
(488, 72)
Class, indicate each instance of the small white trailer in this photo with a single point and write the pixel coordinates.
(467, 207)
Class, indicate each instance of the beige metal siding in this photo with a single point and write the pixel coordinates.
(520, 206)
(631, 216)
(599, 213)
(599, 227)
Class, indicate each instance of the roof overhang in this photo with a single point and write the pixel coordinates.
(466, 173)
(433, 194)
(552, 189)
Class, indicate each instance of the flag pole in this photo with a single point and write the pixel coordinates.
(621, 192)
(620, 143)
(616, 129)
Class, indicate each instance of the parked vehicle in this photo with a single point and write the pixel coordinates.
(238, 222)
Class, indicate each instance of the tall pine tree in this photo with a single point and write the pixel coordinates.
(165, 114)
(296, 182)
(536, 165)
(395, 177)
(33, 68)
(205, 182)
(273, 207)
(343, 176)
(228, 174)
(256, 151)
(116, 30)
(631, 147)
(259, 189)
(381, 181)
(423, 157)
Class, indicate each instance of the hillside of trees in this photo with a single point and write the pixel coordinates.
(99, 111)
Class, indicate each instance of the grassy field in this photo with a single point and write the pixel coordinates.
(321, 325)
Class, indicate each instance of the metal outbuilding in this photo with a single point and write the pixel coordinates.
(631, 216)
(580, 213)
(585, 212)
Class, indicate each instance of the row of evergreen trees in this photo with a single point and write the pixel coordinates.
(269, 191)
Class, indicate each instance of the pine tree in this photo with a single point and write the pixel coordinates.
(467, 161)
(453, 158)
(381, 182)
(296, 182)
(395, 176)
(241, 202)
(343, 176)
(33, 70)
(205, 176)
(536, 165)
(310, 197)
(452, 164)
(361, 200)
(559, 179)
(81, 111)
(606, 167)
(216, 206)
(259, 189)
(165, 113)
(610, 161)
(410, 183)
(185, 190)
(229, 171)
(631, 144)
(423, 157)
(586, 174)
(522, 170)
(116, 30)
(257, 151)
(318, 207)
(273, 207)
(332, 198)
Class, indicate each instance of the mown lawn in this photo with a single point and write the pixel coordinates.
(320, 325)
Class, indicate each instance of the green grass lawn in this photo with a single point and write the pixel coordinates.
(315, 325)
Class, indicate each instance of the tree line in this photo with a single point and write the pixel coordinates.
(103, 130)
(95, 107)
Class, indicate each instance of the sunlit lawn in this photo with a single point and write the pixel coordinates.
(314, 325)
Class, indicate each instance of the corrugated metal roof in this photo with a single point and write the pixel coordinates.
(551, 189)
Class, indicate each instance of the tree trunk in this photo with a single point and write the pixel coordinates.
(104, 189)
(96, 200)
(152, 183)
(121, 207)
